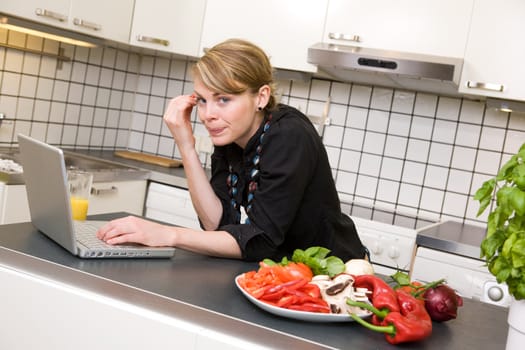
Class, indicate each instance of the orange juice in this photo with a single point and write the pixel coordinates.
(79, 207)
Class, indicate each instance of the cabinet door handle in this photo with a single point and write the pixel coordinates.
(89, 25)
(148, 39)
(50, 14)
(103, 191)
(345, 37)
(485, 86)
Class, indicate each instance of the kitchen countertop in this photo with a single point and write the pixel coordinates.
(452, 237)
(168, 176)
(208, 289)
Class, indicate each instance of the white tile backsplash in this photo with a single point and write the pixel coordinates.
(403, 102)
(405, 151)
(440, 154)
(487, 161)
(391, 168)
(396, 146)
(492, 138)
(387, 190)
(459, 181)
(333, 135)
(370, 164)
(444, 131)
(360, 96)
(381, 98)
(353, 139)
(421, 127)
(463, 158)
(377, 121)
(320, 90)
(337, 114)
(448, 108)
(468, 135)
(340, 93)
(417, 150)
(356, 117)
(399, 124)
(409, 195)
(425, 105)
(436, 177)
(374, 142)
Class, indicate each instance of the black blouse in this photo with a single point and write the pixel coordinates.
(295, 204)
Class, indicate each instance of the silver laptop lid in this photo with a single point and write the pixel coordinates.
(46, 184)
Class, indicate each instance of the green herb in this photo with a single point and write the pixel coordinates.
(504, 244)
(318, 260)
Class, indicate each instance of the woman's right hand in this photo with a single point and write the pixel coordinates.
(178, 119)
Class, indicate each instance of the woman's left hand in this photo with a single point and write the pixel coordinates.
(132, 229)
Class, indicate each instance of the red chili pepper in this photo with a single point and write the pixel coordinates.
(277, 291)
(311, 307)
(411, 323)
(383, 297)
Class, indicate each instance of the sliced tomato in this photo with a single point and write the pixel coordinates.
(299, 270)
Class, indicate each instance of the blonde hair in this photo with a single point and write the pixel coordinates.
(234, 67)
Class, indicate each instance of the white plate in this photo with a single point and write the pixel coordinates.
(297, 315)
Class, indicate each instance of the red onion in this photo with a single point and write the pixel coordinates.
(442, 303)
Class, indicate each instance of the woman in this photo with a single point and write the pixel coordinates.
(268, 160)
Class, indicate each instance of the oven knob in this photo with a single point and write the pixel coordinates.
(495, 293)
(393, 252)
(376, 248)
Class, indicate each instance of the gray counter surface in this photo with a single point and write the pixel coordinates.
(168, 176)
(453, 237)
(206, 285)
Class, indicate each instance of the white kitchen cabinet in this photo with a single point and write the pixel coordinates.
(105, 19)
(283, 28)
(173, 26)
(102, 18)
(53, 12)
(438, 27)
(171, 205)
(494, 56)
(13, 204)
(106, 197)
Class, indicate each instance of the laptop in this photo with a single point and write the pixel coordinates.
(45, 178)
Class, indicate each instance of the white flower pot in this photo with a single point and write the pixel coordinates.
(516, 320)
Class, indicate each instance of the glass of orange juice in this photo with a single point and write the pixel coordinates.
(79, 183)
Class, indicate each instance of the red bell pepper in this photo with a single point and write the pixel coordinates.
(383, 297)
(411, 323)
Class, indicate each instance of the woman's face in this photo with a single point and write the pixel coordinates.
(228, 118)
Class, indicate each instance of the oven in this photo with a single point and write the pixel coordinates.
(391, 247)
(450, 250)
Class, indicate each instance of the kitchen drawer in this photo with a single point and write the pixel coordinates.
(107, 197)
(171, 204)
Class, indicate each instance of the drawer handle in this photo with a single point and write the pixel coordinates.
(345, 37)
(50, 14)
(85, 24)
(103, 191)
(485, 86)
(148, 39)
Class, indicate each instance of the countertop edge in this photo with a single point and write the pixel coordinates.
(202, 318)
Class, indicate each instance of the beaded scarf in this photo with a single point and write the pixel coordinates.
(233, 178)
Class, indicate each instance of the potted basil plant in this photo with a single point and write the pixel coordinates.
(504, 244)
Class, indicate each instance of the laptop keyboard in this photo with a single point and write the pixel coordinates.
(86, 235)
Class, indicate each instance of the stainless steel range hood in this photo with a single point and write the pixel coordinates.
(383, 67)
